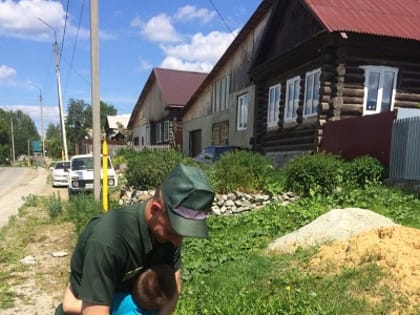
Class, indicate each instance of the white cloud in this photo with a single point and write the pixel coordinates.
(160, 29)
(49, 114)
(171, 62)
(202, 50)
(21, 19)
(7, 72)
(190, 12)
(144, 65)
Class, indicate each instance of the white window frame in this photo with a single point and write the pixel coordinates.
(273, 106)
(381, 70)
(242, 112)
(166, 130)
(311, 102)
(291, 105)
(220, 94)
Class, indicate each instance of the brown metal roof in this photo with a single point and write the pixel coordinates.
(394, 18)
(177, 86)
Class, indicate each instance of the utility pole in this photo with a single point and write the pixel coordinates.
(42, 120)
(94, 47)
(13, 140)
(60, 102)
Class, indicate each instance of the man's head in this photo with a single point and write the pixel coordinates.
(181, 205)
(188, 198)
(154, 287)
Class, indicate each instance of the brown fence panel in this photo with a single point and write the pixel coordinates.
(353, 137)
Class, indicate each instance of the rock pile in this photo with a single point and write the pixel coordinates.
(223, 204)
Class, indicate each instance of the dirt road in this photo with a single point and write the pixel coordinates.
(19, 183)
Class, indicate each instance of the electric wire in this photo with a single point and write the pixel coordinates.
(64, 31)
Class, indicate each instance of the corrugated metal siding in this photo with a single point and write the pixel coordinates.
(405, 150)
(394, 18)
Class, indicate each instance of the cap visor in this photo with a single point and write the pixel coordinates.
(188, 227)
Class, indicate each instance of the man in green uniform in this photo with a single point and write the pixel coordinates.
(118, 245)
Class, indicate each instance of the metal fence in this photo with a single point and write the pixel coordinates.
(405, 149)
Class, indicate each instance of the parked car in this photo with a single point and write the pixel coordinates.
(212, 153)
(60, 173)
(80, 177)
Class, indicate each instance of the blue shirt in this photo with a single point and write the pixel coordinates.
(123, 304)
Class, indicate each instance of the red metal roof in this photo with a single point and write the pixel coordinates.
(177, 86)
(394, 18)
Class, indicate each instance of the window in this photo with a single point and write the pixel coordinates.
(310, 105)
(242, 112)
(220, 95)
(292, 99)
(158, 133)
(273, 105)
(147, 135)
(380, 85)
(166, 130)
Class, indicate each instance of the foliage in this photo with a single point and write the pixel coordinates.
(309, 175)
(364, 171)
(24, 130)
(240, 170)
(105, 110)
(53, 141)
(148, 168)
(75, 122)
(81, 208)
(55, 206)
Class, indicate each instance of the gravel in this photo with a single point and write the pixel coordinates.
(337, 224)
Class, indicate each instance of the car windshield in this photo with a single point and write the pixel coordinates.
(62, 165)
(86, 163)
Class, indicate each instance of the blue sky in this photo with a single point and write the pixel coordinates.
(135, 36)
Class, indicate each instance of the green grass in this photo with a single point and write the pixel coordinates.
(231, 273)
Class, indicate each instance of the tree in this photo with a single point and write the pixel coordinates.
(75, 123)
(5, 136)
(24, 130)
(53, 141)
(106, 110)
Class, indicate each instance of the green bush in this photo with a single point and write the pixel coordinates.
(54, 205)
(240, 170)
(81, 208)
(148, 168)
(364, 171)
(318, 174)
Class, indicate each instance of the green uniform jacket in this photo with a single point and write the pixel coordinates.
(113, 249)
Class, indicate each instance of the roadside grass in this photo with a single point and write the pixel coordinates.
(231, 272)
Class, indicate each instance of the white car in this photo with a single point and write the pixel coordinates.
(60, 173)
(80, 178)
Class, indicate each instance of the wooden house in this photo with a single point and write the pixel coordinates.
(322, 60)
(154, 120)
(221, 111)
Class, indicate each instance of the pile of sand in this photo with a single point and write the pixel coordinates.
(337, 224)
(355, 237)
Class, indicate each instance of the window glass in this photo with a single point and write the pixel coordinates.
(292, 99)
(273, 105)
(242, 119)
(388, 84)
(373, 87)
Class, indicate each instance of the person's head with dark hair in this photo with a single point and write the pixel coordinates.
(154, 287)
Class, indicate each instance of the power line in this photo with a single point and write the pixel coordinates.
(221, 17)
(64, 31)
(75, 44)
